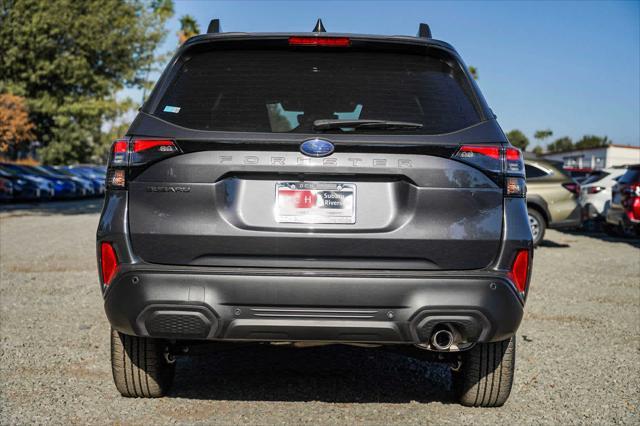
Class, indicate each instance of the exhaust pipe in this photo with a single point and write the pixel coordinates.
(442, 338)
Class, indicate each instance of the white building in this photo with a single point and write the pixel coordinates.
(589, 159)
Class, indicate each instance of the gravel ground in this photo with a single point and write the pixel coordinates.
(578, 348)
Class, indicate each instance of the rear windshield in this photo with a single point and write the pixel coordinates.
(286, 91)
(631, 176)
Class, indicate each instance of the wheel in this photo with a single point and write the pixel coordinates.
(486, 374)
(538, 226)
(139, 366)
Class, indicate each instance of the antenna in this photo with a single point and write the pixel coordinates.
(424, 31)
(319, 28)
(214, 26)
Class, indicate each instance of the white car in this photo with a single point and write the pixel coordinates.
(595, 192)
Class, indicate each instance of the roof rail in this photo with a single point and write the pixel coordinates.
(424, 31)
(319, 28)
(214, 27)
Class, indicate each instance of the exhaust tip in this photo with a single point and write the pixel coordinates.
(442, 339)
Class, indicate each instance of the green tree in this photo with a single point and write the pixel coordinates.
(188, 28)
(541, 135)
(560, 145)
(518, 139)
(68, 59)
(593, 141)
(538, 151)
(474, 72)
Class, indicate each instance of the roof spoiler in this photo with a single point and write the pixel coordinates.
(424, 31)
(214, 27)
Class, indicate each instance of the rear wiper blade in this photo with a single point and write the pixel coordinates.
(364, 124)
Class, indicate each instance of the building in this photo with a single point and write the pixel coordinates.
(589, 159)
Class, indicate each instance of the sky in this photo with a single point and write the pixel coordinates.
(572, 67)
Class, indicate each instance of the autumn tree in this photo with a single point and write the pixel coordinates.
(15, 126)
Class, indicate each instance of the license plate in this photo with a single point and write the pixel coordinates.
(315, 202)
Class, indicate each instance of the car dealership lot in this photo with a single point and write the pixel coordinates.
(578, 348)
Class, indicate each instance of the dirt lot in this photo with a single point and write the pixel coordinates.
(578, 348)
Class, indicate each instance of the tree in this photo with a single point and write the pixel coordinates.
(68, 59)
(541, 135)
(560, 145)
(593, 141)
(188, 28)
(538, 151)
(518, 139)
(474, 72)
(15, 127)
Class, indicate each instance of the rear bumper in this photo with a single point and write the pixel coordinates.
(295, 305)
(572, 221)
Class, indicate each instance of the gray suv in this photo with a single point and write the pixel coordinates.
(316, 187)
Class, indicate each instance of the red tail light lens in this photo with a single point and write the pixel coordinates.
(485, 157)
(108, 262)
(148, 150)
(147, 144)
(572, 187)
(320, 41)
(520, 271)
(471, 151)
(120, 152)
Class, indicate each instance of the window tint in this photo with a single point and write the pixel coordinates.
(533, 172)
(286, 90)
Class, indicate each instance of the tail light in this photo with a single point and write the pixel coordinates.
(572, 187)
(127, 155)
(108, 262)
(519, 273)
(320, 41)
(594, 189)
(632, 202)
(504, 165)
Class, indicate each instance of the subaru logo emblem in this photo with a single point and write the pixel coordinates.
(316, 148)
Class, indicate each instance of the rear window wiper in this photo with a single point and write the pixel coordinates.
(364, 124)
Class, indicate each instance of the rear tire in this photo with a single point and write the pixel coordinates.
(139, 366)
(486, 375)
(538, 226)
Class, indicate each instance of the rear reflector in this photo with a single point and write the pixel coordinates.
(520, 270)
(108, 262)
(320, 41)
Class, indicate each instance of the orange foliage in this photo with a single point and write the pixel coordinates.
(15, 127)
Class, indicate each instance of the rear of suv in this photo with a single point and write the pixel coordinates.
(316, 187)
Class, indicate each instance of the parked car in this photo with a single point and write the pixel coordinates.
(623, 217)
(64, 187)
(28, 187)
(96, 177)
(595, 192)
(6, 189)
(84, 187)
(552, 198)
(351, 189)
